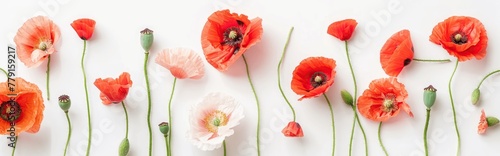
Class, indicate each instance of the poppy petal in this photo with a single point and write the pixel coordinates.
(343, 29)
(302, 75)
(396, 53)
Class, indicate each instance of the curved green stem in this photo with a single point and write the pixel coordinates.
(126, 120)
(333, 123)
(496, 71)
(352, 133)
(167, 145)
(257, 103)
(170, 115)
(427, 60)
(15, 146)
(362, 130)
(69, 133)
(425, 131)
(146, 56)
(224, 144)
(5, 72)
(279, 72)
(47, 73)
(87, 98)
(453, 108)
(380, 139)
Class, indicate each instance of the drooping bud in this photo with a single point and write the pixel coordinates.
(124, 147)
(164, 128)
(492, 121)
(64, 103)
(429, 96)
(147, 39)
(475, 96)
(347, 97)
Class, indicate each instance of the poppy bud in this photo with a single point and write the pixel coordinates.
(293, 129)
(492, 121)
(124, 147)
(429, 96)
(147, 39)
(64, 103)
(347, 97)
(475, 96)
(164, 128)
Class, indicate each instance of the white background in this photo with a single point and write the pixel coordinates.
(115, 48)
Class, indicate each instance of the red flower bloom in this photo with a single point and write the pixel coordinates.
(313, 76)
(114, 90)
(84, 27)
(293, 129)
(396, 53)
(383, 100)
(483, 124)
(342, 29)
(463, 37)
(225, 37)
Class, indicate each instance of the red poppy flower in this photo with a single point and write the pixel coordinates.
(27, 105)
(84, 27)
(226, 36)
(36, 40)
(342, 29)
(396, 53)
(463, 37)
(383, 100)
(114, 90)
(483, 124)
(313, 76)
(293, 129)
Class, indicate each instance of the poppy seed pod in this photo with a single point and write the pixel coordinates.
(64, 102)
(164, 128)
(124, 147)
(429, 96)
(147, 39)
(347, 97)
(492, 121)
(475, 96)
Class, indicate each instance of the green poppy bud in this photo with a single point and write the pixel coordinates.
(124, 147)
(492, 121)
(64, 102)
(475, 96)
(164, 128)
(429, 96)
(347, 97)
(147, 39)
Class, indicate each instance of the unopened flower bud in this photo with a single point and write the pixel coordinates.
(147, 39)
(64, 102)
(429, 96)
(164, 128)
(492, 121)
(124, 147)
(475, 96)
(347, 97)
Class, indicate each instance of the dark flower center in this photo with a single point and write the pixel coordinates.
(10, 111)
(318, 79)
(233, 37)
(407, 62)
(459, 38)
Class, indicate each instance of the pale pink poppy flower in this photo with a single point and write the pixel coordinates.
(35, 40)
(483, 124)
(213, 119)
(182, 62)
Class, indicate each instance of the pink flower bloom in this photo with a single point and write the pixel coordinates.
(35, 40)
(483, 124)
(212, 120)
(183, 63)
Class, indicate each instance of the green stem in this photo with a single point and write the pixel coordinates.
(425, 130)
(380, 139)
(427, 60)
(69, 133)
(224, 145)
(170, 115)
(333, 123)
(87, 98)
(5, 72)
(279, 72)
(47, 79)
(453, 108)
(15, 144)
(146, 56)
(362, 130)
(257, 103)
(126, 120)
(496, 71)
(352, 133)
(167, 145)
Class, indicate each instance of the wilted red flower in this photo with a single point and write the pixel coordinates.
(84, 27)
(383, 100)
(114, 90)
(462, 36)
(483, 124)
(313, 76)
(293, 129)
(396, 53)
(226, 36)
(342, 29)
(27, 105)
